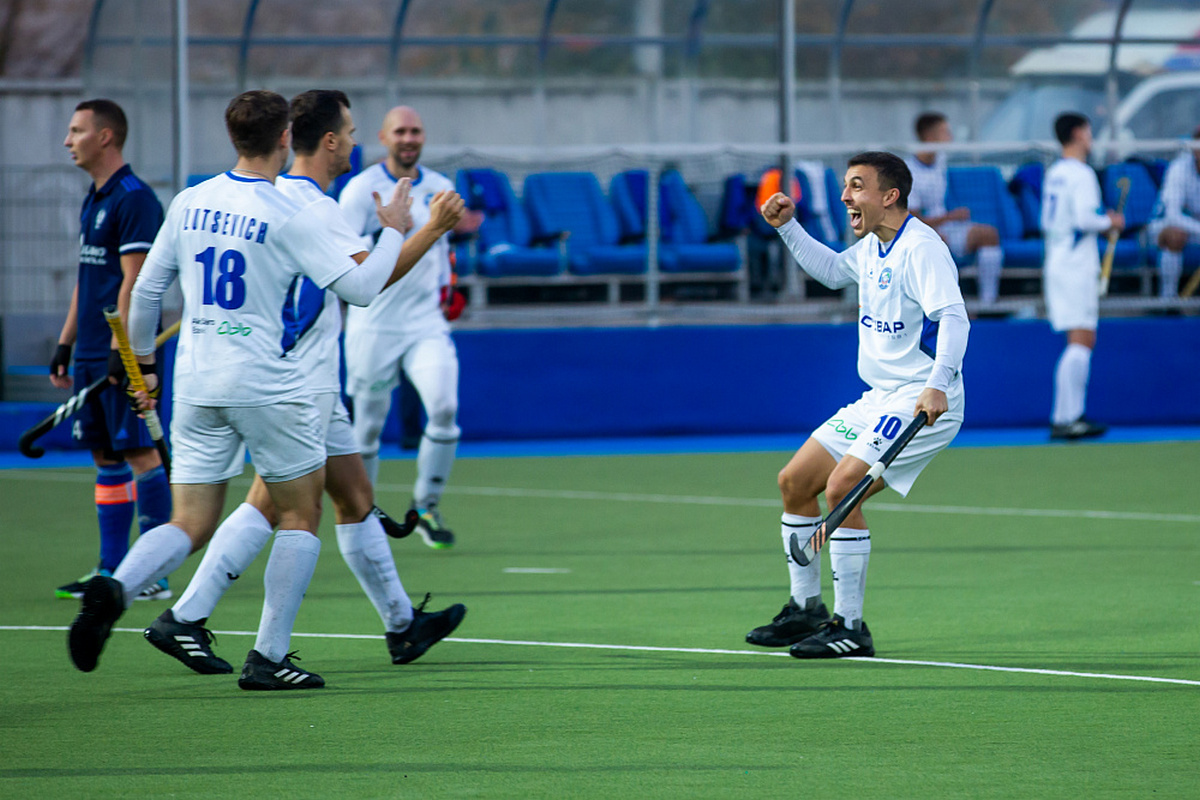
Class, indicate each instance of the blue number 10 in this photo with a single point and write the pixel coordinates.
(888, 426)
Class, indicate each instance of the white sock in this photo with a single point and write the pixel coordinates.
(233, 548)
(156, 554)
(1070, 383)
(365, 547)
(806, 581)
(990, 261)
(849, 554)
(1170, 268)
(434, 460)
(289, 569)
(371, 462)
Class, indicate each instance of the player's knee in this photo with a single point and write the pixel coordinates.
(442, 413)
(838, 486)
(985, 236)
(1173, 239)
(795, 487)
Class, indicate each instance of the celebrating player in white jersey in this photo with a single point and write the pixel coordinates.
(1176, 222)
(912, 335)
(928, 201)
(322, 138)
(1072, 216)
(405, 328)
(238, 247)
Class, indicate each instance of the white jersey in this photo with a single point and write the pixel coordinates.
(1072, 215)
(238, 246)
(899, 285)
(413, 303)
(315, 319)
(928, 194)
(1180, 196)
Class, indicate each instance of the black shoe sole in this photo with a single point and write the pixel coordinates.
(209, 665)
(457, 612)
(103, 604)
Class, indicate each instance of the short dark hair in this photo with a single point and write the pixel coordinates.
(313, 114)
(927, 122)
(892, 171)
(255, 121)
(1066, 125)
(108, 115)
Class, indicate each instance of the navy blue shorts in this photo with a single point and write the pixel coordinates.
(106, 422)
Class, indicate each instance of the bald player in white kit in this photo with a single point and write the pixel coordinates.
(238, 246)
(912, 335)
(1072, 217)
(405, 328)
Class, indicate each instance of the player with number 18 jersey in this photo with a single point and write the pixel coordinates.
(239, 247)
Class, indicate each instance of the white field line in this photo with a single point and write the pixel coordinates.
(695, 650)
(703, 500)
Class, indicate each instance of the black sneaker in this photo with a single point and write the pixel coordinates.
(790, 625)
(1081, 428)
(426, 630)
(260, 674)
(74, 589)
(394, 529)
(103, 604)
(835, 640)
(188, 642)
(432, 529)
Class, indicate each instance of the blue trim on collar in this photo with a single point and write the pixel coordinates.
(386, 171)
(302, 178)
(229, 174)
(113, 181)
(883, 252)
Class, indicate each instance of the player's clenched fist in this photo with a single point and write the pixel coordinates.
(446, 209)
(396, 213)
(778, 209)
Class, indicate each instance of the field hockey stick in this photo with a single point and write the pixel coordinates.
(804, 554)
(1191, 286)
(75, 402)
(1110, 252)
(133, 371)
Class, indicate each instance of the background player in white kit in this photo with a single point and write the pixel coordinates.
(405, 328)
(912, 336)
(238, 246)
(928, 201)
(1072, 216)
(1176, 222)
(322, 138)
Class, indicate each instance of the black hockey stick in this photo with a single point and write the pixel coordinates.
(803, 555)
(26, 443)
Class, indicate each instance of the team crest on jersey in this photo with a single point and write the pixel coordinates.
(885, 278)
(99, 219)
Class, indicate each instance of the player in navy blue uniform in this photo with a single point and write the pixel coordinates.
(119, 220)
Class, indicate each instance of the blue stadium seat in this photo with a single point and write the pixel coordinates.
(1026, 189)
(982, 190)
(837, 209)
(504, 244)
(573, 203)
(684, 245)
(808, 216)
(1139, 208)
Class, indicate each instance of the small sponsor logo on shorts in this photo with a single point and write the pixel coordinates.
(227, 328)
(840, 426)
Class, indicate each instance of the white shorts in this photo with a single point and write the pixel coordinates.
(339, 433)
(209, 444)
(955, 234)
(1072, 297)
(866, 428)
(374, 361)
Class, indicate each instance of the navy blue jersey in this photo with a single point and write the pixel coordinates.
(123, 216)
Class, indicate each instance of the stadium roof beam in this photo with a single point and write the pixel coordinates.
(985, 11)
(244, 45)
(393, 76)
(1112, 91)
